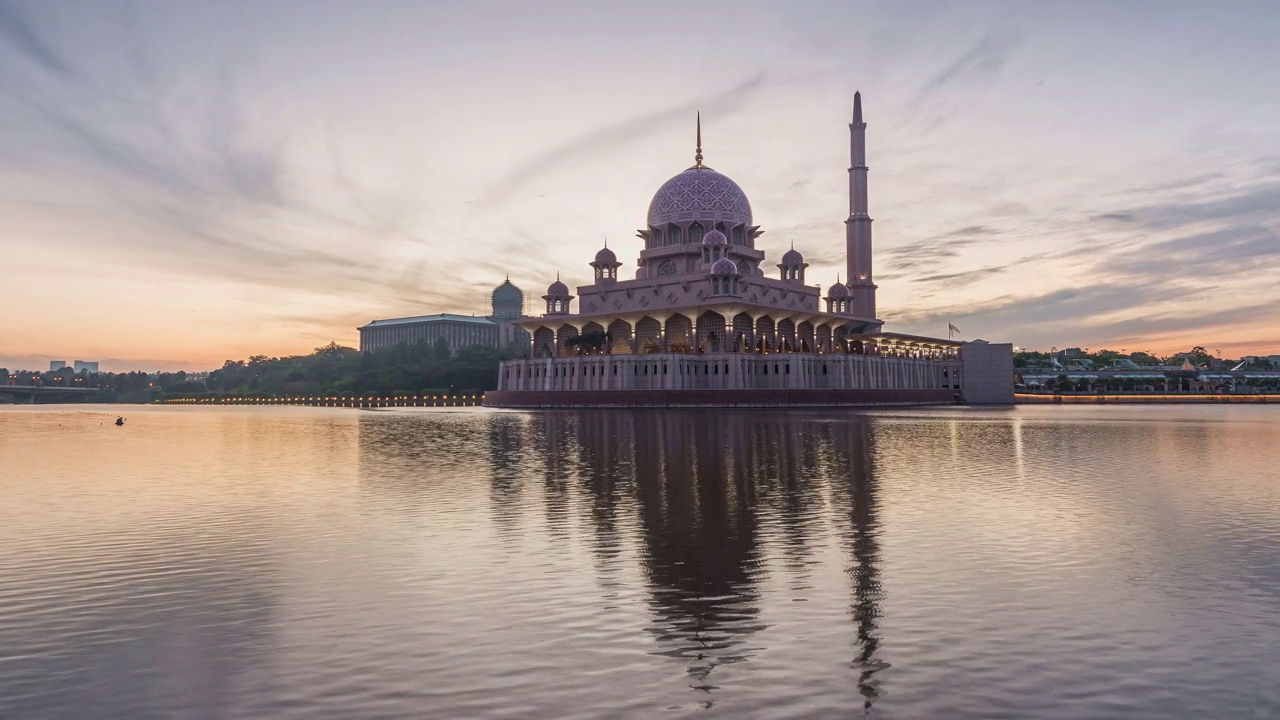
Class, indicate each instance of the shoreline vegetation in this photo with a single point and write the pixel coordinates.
(333, 371)
(428, 374)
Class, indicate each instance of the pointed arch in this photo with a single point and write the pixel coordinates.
(764, 332)
(619, 337)
(679, 333)
(563, 336)
(544, 342)
(744, 335)
(787, 334)
(804, 337)
(648, 335)
(710, 332)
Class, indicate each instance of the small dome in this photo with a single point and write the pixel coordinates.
(606, 257)
(838, 290)
(557, 289)
(724, 266)
(715, 237)
(792, 257)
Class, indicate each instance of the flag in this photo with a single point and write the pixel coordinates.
(952, 329)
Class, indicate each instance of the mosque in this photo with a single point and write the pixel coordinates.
(703, 324)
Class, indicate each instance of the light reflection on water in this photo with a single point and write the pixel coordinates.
(305, 562)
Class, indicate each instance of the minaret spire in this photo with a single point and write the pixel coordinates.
(697, 154)
(858, 226)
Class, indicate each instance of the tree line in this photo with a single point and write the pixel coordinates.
(333, 370)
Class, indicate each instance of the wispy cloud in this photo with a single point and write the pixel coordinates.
(986, 57)
(17, 29)
(726, 102)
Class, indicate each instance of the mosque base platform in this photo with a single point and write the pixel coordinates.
(767, 397)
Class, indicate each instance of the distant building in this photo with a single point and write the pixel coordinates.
(85, 365)
(56, 365)
(496, 330)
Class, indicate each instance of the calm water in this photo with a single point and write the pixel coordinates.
(311, 563)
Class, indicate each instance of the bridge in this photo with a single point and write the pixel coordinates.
(29, 393)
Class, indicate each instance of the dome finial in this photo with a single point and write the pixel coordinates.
(697, 155)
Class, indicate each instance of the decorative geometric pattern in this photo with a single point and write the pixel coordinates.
(699, 194)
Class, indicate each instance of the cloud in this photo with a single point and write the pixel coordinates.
(1122, 217)
(956, 280)
(726, 102)
(22, 35)
(924, 254)
(983, 59)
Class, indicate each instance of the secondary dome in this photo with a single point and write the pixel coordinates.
(792, 257)
(699, 193)
(715, 237)
(724, 266)
(557, 289)
(507, 292)
(606, 256)
(838, 290)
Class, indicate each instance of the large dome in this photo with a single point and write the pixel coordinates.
(699, 193)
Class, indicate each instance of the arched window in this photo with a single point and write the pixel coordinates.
(695, 233)
(674, 235)
(666, 268)
(737, 235)
(655, 237)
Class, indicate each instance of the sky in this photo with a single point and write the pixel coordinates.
(184, 183)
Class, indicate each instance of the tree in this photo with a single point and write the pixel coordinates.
(594, 341)
(441, 348)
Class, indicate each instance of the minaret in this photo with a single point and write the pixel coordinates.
(858, 227)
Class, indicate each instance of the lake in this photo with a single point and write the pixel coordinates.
(242, 562)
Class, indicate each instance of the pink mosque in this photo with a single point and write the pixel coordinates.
(701, 324)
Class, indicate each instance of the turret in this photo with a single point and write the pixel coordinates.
(792, 266)
(558, 298)
(606, 266)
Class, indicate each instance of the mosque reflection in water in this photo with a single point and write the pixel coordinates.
(698, 483)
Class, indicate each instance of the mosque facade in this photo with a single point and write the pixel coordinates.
(705, 321)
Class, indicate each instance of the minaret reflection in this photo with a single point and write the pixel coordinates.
(607, 444)
(556, 442)
(854, 493)
(506, 442)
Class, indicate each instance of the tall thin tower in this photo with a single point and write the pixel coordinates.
(858, 227)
